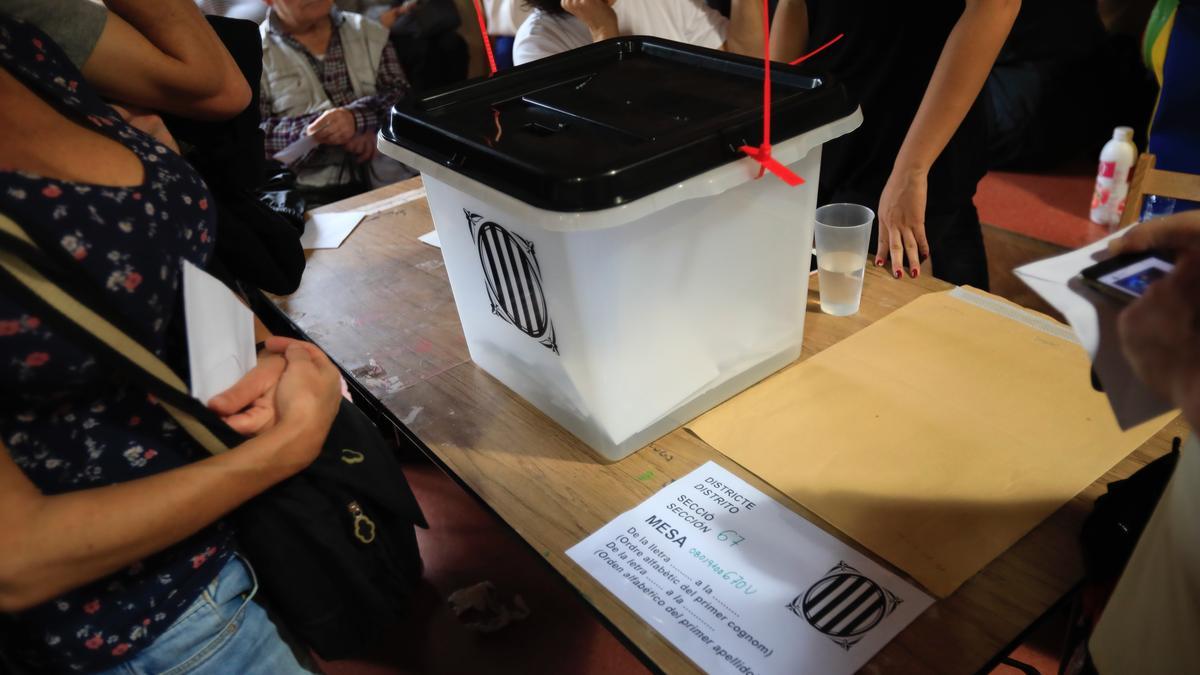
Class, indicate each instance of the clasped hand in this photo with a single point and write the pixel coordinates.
(294, 383)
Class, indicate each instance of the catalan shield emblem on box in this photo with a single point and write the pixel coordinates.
(513, 279)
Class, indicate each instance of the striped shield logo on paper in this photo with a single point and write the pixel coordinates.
(514, 279)
(844, 605)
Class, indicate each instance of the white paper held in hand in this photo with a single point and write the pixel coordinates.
(220, 334)
(740, 584)
(296, 151)
(329, 230)
(1093, 316)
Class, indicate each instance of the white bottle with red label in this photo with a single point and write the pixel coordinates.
(1112, 180)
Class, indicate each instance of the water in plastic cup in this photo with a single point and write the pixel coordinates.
(843, 234)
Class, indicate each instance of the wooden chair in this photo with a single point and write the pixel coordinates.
(1148, 180)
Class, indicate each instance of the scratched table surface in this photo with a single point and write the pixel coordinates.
(381, 307)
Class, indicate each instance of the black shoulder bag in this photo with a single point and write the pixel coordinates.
(334, 545)
(259, 217)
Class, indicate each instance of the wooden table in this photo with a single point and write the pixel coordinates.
(382, 308)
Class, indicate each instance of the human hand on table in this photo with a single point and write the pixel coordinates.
(1160, 332)
(333, 127)
(597, 15)
(902, 222)
(362, 147)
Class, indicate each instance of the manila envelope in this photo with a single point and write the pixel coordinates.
(936, 437)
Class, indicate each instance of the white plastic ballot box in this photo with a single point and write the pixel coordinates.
(615, 258)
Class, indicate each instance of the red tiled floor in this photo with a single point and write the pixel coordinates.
(465, 545)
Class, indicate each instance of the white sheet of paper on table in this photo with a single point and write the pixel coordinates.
(430, 238)
(220, 334)
(296, 150)
(329, 230)
(739, 583)
(1093, 316)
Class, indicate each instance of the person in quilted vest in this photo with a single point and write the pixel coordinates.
(330, 77)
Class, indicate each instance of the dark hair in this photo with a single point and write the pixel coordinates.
(547, 6)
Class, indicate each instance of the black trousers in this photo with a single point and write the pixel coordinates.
(956, 246)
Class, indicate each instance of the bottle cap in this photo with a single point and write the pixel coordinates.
(1123, 133)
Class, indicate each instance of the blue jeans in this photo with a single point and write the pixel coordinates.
(224, 631)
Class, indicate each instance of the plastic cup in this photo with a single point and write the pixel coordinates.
(843, 235)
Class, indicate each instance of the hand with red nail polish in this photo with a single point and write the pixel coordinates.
(902, 219)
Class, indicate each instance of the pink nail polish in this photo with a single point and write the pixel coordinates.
(898, 274)
(913, 272)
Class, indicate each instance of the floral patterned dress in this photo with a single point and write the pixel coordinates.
(71, 423)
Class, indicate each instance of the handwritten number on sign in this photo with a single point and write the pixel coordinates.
(731, 536)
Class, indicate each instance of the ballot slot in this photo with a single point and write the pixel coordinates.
(610, 123)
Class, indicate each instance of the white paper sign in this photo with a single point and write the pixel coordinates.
(220, 334)
(742, 585)
(328, 230)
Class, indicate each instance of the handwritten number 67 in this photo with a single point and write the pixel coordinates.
(731, 536)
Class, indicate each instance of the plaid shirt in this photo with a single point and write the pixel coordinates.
(368, 111)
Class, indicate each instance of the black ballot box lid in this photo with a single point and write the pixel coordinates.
(612, 122)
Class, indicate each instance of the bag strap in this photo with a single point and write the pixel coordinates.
(28, 273)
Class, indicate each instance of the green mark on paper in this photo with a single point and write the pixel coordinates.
(646, 476)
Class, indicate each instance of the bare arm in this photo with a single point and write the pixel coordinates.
(745, 34)
(789, 30)
(56, 543)
(962, 68)
(163, 55)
